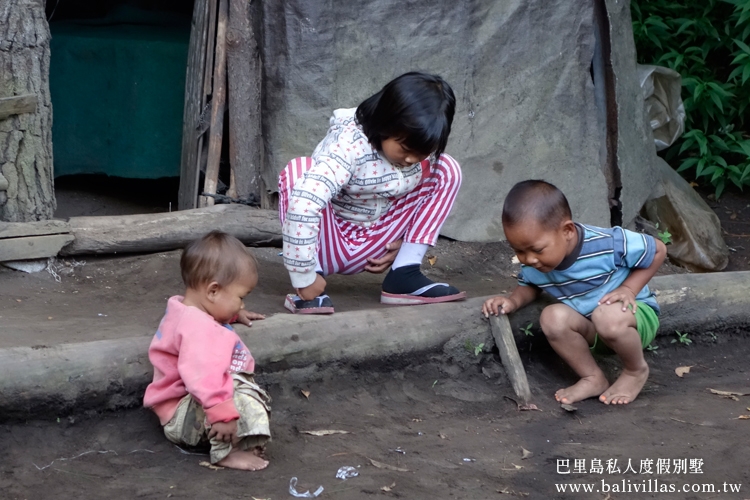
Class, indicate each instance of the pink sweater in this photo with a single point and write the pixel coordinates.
(193, 354)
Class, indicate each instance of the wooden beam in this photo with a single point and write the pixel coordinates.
(40, 228)
(189, 169)
(16, 105)
(171, 230)
(506, 344)
(33, 247)
(244, 99)
(218, 106)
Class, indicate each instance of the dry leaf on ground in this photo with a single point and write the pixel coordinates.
(567, 407)
(388, 488)
(324, 432)
(743, 417)
(305, 393)
(381, 465)
(209, 465)
(431, 259)
(528, 407)
(526, 454)
(517, 467)
(682, 370)
(728, 394)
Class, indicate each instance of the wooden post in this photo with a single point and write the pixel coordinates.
(194, 101)
(218, 101)
(244, 99)
(506, 344)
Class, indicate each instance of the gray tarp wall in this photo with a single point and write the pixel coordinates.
(522, 74)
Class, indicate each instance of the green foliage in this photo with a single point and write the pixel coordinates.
(665, 236)
(527, 330)
(471, 347)
(652, 347)
(707, 43)
(682, 338)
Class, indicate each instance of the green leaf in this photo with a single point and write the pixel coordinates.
(736, 72)
(684, 25)
(719, 188)
(742, 45)
(745, 73)
(653, 38)
(687, 164)
(719, 172)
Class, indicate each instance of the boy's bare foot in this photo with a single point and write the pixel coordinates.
(626, 388)
(243, 460)
(587, 387)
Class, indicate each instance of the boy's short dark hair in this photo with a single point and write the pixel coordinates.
(536, 200)
(415, 108)
(217, 256)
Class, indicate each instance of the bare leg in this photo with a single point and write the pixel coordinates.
(570, 334)
(243, 460)
(617, 329)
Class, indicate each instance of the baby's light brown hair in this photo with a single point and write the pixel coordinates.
(217, 256)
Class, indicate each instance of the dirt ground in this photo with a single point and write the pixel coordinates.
(445, 417)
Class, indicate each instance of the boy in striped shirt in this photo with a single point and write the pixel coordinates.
(599, 275)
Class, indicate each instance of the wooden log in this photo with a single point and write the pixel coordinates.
(17, 105)
(218, 101)
(40, 228)
(244, 99)
(63, 377)
(506, 344)
(172, 230)
(189, 170)
(33, 247)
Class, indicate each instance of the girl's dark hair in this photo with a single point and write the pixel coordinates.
(416, 109)
(217, 256)
(538, 201)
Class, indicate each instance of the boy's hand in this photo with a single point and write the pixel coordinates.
(383, 263)
(498, 305)
(620, 294)
(224, 431)
(312, 291)
(247, 317)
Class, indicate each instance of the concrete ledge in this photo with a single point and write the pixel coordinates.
(111, 374)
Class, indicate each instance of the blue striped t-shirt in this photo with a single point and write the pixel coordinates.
(604, 262)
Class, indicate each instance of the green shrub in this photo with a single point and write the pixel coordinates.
(706, 42)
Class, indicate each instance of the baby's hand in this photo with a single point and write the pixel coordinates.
(247, 317)
(224, 431)
(498, 305)
(620, 294)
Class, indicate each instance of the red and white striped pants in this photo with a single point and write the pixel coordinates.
(345, 246)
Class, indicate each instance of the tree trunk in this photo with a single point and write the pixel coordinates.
(26, 138)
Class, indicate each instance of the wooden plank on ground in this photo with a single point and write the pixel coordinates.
(506, 344)
(16, 105)
(40, 228)
(244, 100)
(171, 230)
(33, 247)
(218, 106)
(189, 172)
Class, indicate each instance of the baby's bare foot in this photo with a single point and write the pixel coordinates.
(587, 387)
(243, 460)
(626, 388)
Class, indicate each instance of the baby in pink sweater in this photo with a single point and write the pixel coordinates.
(203, 388)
